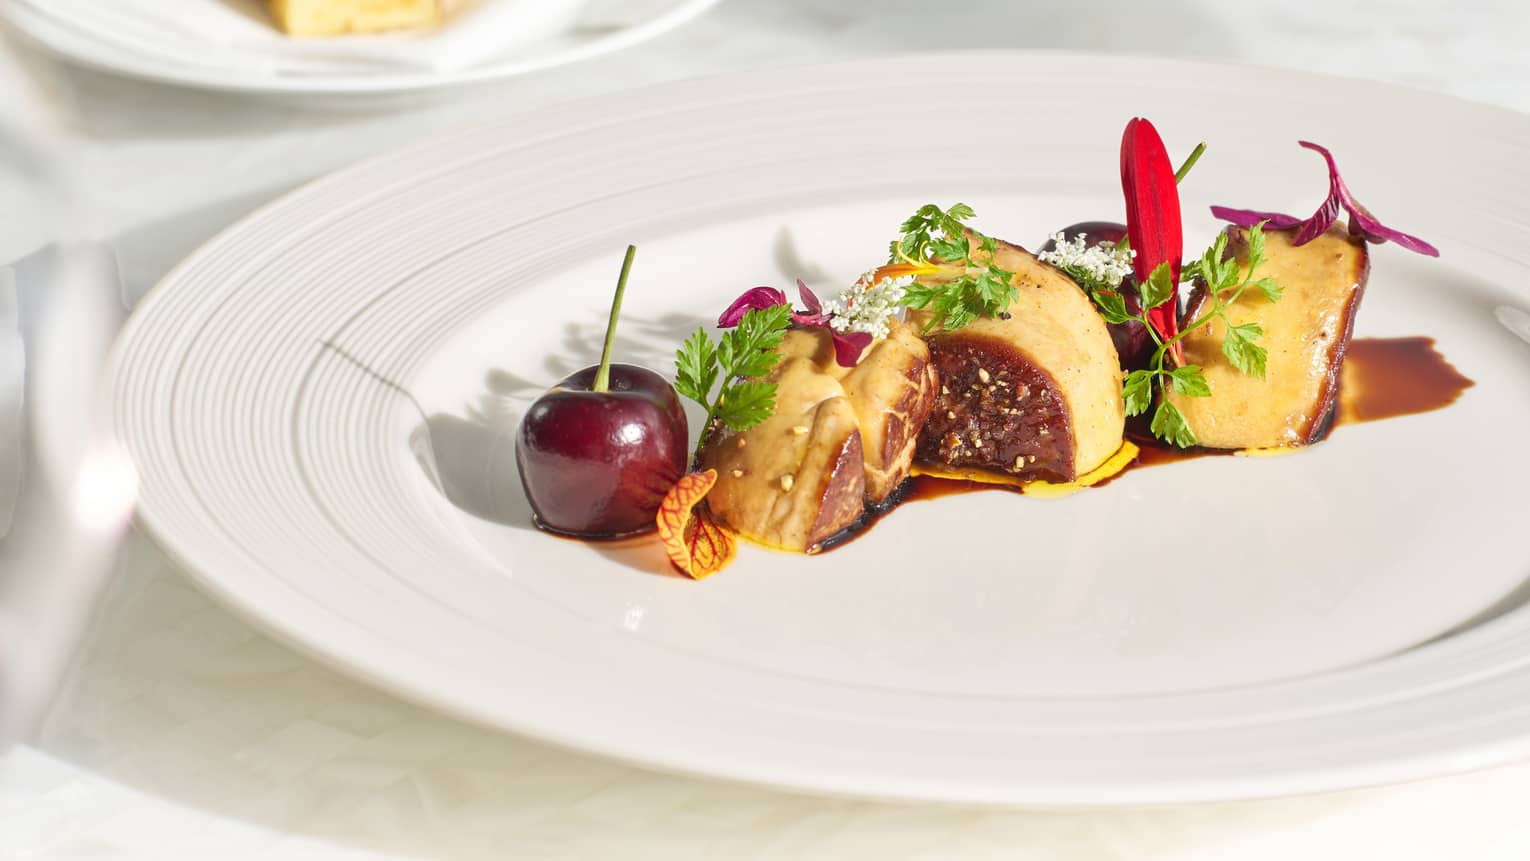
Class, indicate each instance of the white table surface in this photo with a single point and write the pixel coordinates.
(183, 733)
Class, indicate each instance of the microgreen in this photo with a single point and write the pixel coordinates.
(1225, 282)
(733, 364)
(935, 241)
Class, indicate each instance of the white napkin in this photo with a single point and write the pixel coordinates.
(241, 34)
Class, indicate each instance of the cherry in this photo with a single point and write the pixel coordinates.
(600, 449)
(1094, 231)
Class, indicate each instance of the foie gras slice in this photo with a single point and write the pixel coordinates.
(798, 477)
(1305, 336)
(1036, 394)
(892, 390)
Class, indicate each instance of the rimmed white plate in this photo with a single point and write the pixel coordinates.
(322, 402)
(647, 19)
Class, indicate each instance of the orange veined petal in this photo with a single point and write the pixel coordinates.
(696, 544)
(898, 270)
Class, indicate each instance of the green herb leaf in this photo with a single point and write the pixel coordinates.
(1112, 306)
(1190, 382)
(746, 404)
(1272, 291)
(1256, 246)
(1169, 425)
(696, 367)
(1158, 288)
(744, 352)
(970, 289)
(1239, 348)
(1137, 391)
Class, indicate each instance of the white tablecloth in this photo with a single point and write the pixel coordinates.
(185, 734)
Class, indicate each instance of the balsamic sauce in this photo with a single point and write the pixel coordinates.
(1381, 378)
(1386, 377)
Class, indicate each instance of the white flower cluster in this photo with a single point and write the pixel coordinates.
(867, 306)
(1104, 263)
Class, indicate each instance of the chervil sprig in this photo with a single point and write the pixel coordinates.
(936, 241)
(1225, 283)
(738, 359)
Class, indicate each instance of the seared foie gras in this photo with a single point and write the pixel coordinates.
(1036, 395)
(892, 389)
(1305, 334)
(798, 477)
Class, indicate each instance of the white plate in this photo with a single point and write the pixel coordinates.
(591, 37)
(294, 387)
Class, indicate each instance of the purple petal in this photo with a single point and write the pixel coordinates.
(759, 297)
(1365, 226)
(1250, 217)
(1319, 223)
(848, 347)
(809, 298)
(1361, 222)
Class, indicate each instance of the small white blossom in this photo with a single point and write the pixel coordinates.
(1103, 263)
(868, 306)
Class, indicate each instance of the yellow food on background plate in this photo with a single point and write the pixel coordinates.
(339, 17)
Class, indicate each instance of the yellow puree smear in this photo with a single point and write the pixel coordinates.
(1043, 489)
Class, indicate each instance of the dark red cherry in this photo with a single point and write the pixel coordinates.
(597, 464)
(599, 451)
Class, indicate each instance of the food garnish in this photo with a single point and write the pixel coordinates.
(871, 305)
(967, 358)
(853, 330)
(1225, 283)
(696, 545)
(933, 241)
(731, 365)
(1361, 222)
(598, 451)
(1154, 248)
(1153, 226)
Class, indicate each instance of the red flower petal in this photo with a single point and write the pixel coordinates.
(1153, 223)
(848, 347)
(759, 297)
(809, 299)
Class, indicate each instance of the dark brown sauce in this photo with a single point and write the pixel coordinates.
(1386, 377)
(913, 488)
(1381, 378)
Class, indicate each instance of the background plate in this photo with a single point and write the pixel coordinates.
(649, 19)
(323, 399)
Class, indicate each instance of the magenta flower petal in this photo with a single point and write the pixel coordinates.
(1319, 223)
(1362, 223)
(848, 347)
(759, 297)
(809, 299)
(1251, 217)
(1365, 226)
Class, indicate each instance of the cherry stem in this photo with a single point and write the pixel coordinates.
(603, 373)
(1190, 160)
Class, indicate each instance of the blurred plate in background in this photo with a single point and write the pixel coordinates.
(274, 65)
